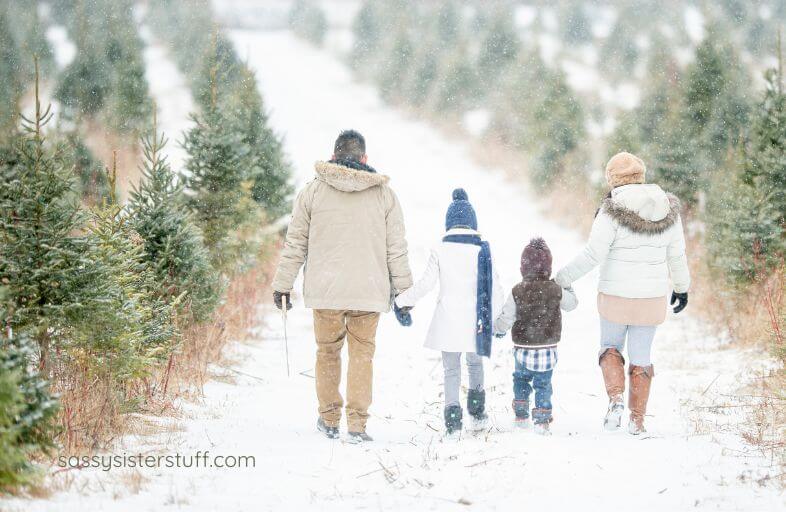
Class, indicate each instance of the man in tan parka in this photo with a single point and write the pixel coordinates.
(347, 228)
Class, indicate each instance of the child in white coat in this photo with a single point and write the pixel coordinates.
(470, 295)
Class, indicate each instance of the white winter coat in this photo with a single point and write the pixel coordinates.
(455, 267)
(638, 241)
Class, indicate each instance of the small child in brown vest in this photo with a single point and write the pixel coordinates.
(533, 311)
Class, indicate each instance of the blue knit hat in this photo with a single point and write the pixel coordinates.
(460, 214)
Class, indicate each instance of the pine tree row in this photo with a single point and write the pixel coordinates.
(239, 154)
(716, 142)
(437, 58)
(308, 20)
(93, 293)
(106, 79)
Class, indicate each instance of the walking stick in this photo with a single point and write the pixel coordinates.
(286, 341)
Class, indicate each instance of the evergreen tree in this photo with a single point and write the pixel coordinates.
(675, 160)
(559, 127)
(393, 68)
(367, 32)
(217, 183)
(84, 84)
(266, 165)
(219, 73)
(460, 86)
(661, 93)
(27, 410)
(424, 75)
(129, 103)
(107, 75)
(747, 206)
(52, 285)
(619, 52)
(10, 81)
(173, 245)
(137, 329)
(765, 167)
(498, 48)
(448, 24)
(743, 233)
(308, 21)
(576, 27)
(512, 117)
(91, 179)
(715, 107)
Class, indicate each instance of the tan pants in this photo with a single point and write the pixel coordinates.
(330, 329)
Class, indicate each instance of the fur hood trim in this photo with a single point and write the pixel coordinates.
(630, 219)
(347, 179)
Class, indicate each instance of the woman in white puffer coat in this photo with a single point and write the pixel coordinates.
(637, 239)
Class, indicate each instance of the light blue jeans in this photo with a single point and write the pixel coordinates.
(451, 362)
(612, 335)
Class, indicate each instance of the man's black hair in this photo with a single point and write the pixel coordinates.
(350, 145)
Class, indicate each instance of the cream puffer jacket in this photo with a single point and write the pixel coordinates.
(638, 241)
(347, 228)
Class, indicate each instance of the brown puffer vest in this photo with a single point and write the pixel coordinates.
(538, 316)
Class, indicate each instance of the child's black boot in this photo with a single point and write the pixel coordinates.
(453, 416)
(476, 407)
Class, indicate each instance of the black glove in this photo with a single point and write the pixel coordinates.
(277, 299)
(681, 299)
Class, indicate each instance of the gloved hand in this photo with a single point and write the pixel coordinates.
(681, 299)
(277, 299)
(402, 314)
(499, 334)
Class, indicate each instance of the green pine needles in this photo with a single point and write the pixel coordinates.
(27, 410)
(173, 245)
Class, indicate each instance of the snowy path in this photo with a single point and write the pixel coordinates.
(270, 416)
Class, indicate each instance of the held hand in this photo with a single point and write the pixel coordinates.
(277, 296)
(681, 299)
(562, 280)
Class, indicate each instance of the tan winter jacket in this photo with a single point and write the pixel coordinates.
(348, 229)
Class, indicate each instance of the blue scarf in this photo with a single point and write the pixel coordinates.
(485, 277)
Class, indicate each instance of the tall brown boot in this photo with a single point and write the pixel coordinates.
(640, 381)
(612, 364)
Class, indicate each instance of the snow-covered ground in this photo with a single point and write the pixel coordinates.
(268, 415)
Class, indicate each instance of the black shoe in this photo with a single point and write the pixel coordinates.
(330, 432)
(476, 404)
(358, 437)
(453, 416)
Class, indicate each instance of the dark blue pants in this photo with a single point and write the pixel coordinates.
(524, 381)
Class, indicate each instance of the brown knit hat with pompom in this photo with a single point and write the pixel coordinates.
(625, 169)
(536, 259)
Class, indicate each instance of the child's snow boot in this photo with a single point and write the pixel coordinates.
(640, 381)
(521, 409)
(542, 418)
(476, 407)
(453, 416)
(612, 364)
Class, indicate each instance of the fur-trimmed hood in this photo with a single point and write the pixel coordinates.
(641, 208)
(341, 176)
